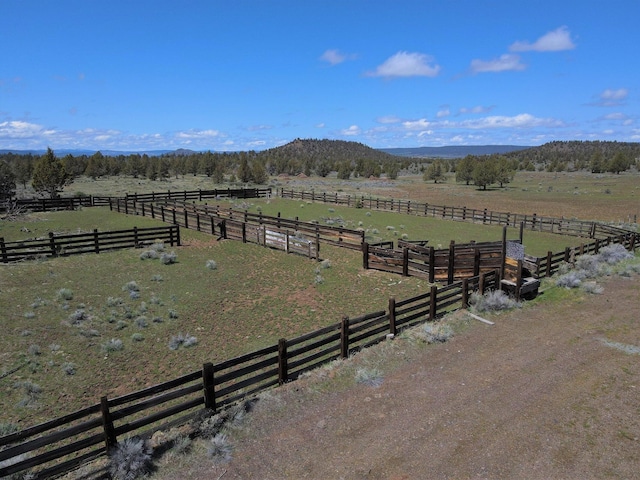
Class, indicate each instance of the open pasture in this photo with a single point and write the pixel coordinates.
(59, 314)
(253, 297)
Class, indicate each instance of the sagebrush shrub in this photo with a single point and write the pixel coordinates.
(589, 264)
(220, 450)
(69, 368)
(149, 255)
(78, 316)
(31, 391)
(137, 337)
(182, 340)
(593, 288)
(438, 332)
(572, 279)
(211, 264)
(494, 300)
(369, 376)
(131, 286)
(65, 294)
(113, 345)
(613, 254)
(130, 459)
(168, 258)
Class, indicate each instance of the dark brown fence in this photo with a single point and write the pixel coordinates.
(563, 226)
(442, 265)
(293, 236)
(93, 242)
(200, 194)
(48, 204)
(71, 203)
(62, 444)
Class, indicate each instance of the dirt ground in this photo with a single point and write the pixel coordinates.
(538, 395)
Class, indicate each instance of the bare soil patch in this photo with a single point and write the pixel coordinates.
(539, 395)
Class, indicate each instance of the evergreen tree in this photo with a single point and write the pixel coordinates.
(244, 172)
(435, 172)
(258, 172)
(7, 181)
(484, 173)
(49, 175)
(464, 169)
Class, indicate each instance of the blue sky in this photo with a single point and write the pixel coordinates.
(254, 74)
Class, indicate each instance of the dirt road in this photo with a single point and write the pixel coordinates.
(538, 395)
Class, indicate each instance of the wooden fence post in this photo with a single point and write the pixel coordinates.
(96, 241)
(481, 280)
(178, 235)
(186, 218)
(465, 293)
(476, 262)
(283, 374)
(52, 244)
(567, 254)
(208, 386)
(365, 255)
(110, 439)
(392, 316)
(344, 337)
(452, 261)
(549, 256)
(405, 262)
(3, 249)
(173, 212)
(432, 264)
(433, 307)
(135, 236)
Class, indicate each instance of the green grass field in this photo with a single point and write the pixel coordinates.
(253, 297)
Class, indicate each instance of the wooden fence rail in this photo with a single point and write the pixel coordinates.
(93, 242)
(62, 444)
(573, 227)
(293, 236)
(48, 204)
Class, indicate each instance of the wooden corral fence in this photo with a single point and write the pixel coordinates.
(435, 265)
(293, 236)
(62, 444)
(92, 242)
(546, 266)
(48, 204)
(71, 203)
(563, 226)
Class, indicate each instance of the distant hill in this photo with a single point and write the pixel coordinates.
(77, 153)
(454, 151)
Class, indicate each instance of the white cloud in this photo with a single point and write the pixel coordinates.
(445, 112)
(335, 57)
(477, 109)
(420, 124)
(406, 64)
(504, 63)
(611, 98)
(19, 129)
(320, 125)
(523, 120)
(352, 130)
(554, 41)
(198, 134)
(619, 94)
(387, 119)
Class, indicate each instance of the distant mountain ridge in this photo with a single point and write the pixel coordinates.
(453, 151)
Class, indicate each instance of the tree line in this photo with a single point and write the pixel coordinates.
(48, 173)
